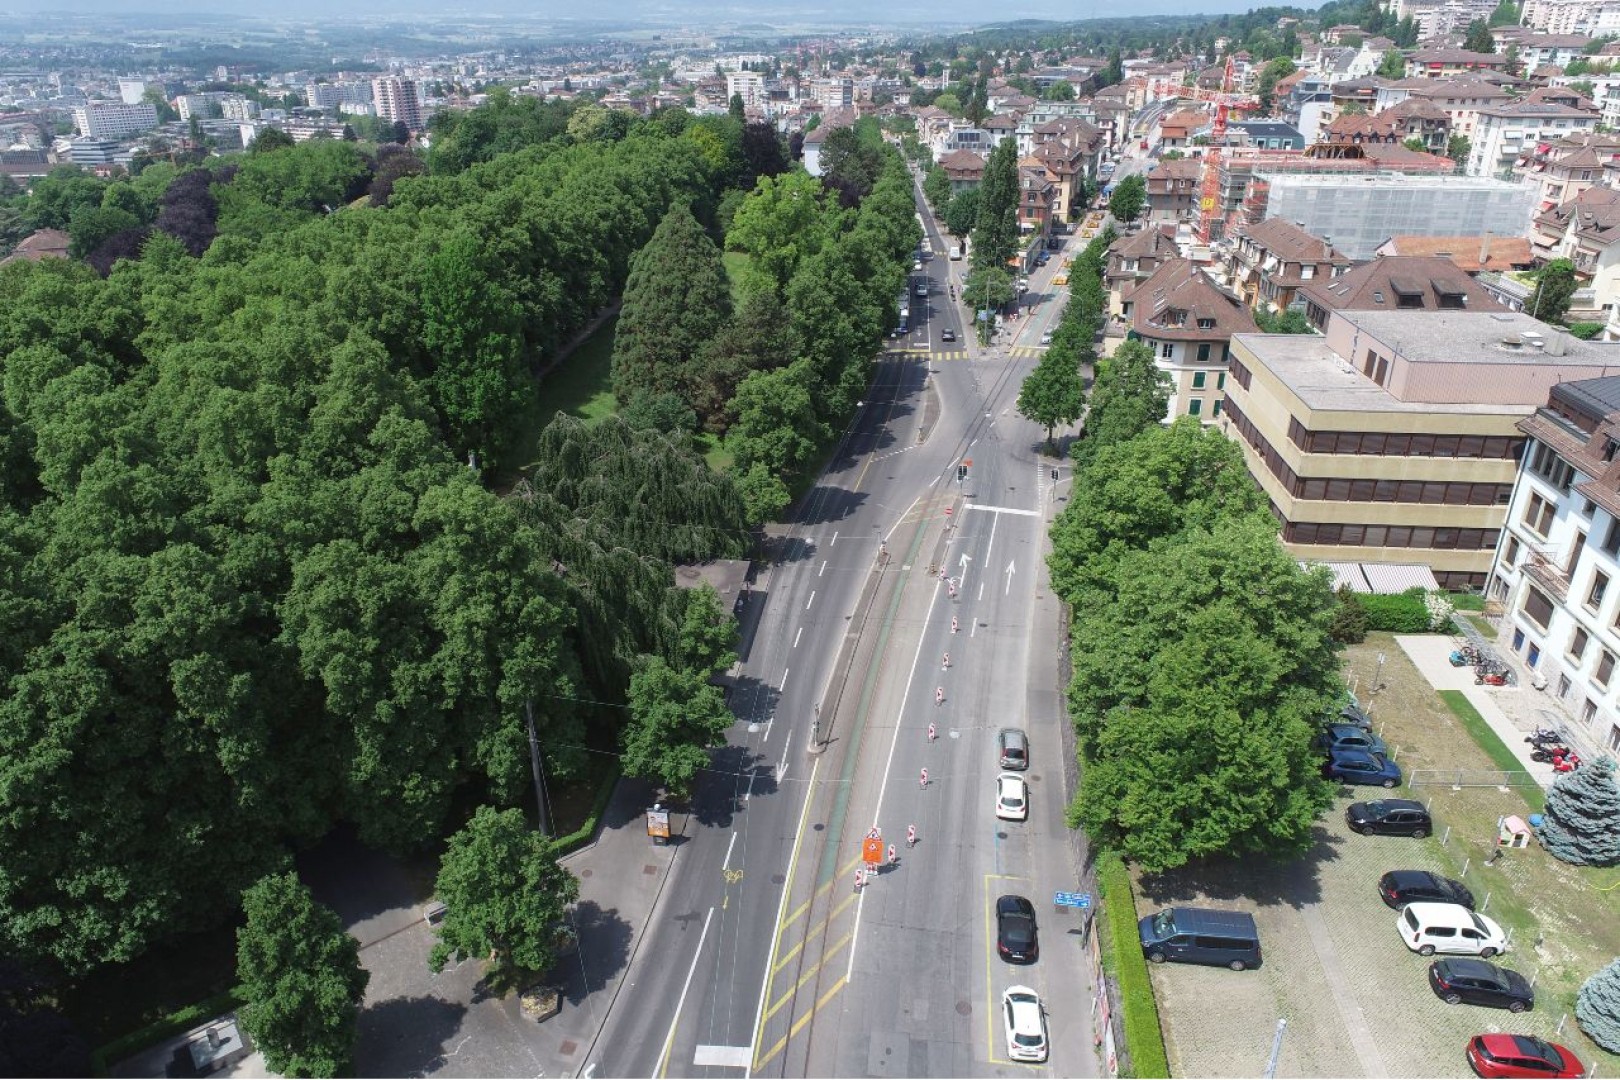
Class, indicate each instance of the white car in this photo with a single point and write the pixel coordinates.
(1046, 338)
(1024, 1019)
(1012, 797)
(1427, 928)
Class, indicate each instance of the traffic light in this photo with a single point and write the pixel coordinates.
(961, 473)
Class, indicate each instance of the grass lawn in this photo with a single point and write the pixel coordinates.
(736, 263)
(1565, 919)
(578, 386)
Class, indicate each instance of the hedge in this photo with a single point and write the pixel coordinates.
(1122, 958)
(581, 836)
(1402, 614)
(164, 1027)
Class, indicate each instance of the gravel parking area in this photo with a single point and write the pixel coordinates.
(1357, 1002)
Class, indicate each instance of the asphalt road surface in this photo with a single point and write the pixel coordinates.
(762, 958)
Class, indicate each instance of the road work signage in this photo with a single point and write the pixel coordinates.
(872, 848)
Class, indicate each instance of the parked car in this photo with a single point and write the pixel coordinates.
(917, 265)
(1360, 767)
(1449, 928)
(1391, 817)
(1350, 737)
(1012, 748)
(1016, 937)
(1522, 1055)
(1474, 982)
(1188, 935)
(1012, 797)
(1401, 887)
(1023, 1018)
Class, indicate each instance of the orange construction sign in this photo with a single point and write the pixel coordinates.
(872, 850)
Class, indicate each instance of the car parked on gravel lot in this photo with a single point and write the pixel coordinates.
(1023, 1018)
(1401, 887)
(1522, 1055)
(1427, 929)
(1012, 797)
(1391, 817)
(1350, 737)
(1360, 767)
(1459, 981)
(1017, 940)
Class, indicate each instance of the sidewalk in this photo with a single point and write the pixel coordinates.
(1511, 711)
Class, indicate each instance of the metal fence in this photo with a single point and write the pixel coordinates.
(1463, 778)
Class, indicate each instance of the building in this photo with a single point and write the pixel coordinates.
(1394, 437)
(1505, 133)
(1133, 258)
(92, 152)
(201, 105)
(131, 91)
(1566, 167)
(1444, 63)
(1439, 18)
(40, 244)
(1396, 283)
(1173, 190)
(1361, 212)
(1470, 254)
(341, 96)
(1560, 553)
(964, 168)
(1188, 321)
(113, 119)
(1265, 135)
(398, 101)
(1177, 129)
(1270, 261)
(1037, 196)
(1590, 17)
(748, 85)
(1536, 50)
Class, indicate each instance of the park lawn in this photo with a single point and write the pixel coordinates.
(1565, 919)
(736, 263)
(578, 386)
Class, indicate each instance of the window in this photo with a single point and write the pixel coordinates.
(1195, 406)
(1577, 645)
(1538, 607)
(1588, 712)
(1383, 371)
(1605, 668)
(1510, 554)
(1203, 352)
(1611, 538)
(1206, 324)
(1167, 350)
(1546, 464)
(1220, 381)
(1600, 586)
(1538, 515)
(1218, 404)
(1198, 380)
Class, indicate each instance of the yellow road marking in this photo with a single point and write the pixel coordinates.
(826, 954)
(802, 908)
(993, 1008)
(777, 1047)
(810, 933)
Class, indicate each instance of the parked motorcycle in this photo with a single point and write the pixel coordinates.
(1543, 735)
(1549, 754)
(1567, 763)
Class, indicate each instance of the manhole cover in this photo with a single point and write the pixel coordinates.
(964, 1008)
(1000, 835)
(649, 869)
(777, 879)
(817, 827)
(568, 1047)
(585, 872)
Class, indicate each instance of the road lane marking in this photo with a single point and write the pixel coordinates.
(727, 864)
(834, 542)
(823, 569)
(797, 636)
(842, 871)
(1002, 510)
(812, 599)
(776, 1048)
(810, 933)
(669, 1040)
(729, 1057)
(781, 686)
(992, 1008)
(826, 954)
(781, 906)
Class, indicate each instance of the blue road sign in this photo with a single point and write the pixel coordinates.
(1073, 899)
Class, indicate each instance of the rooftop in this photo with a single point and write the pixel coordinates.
(1323, 380)
(1478, 337)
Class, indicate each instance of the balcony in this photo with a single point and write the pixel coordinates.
(1547, 573)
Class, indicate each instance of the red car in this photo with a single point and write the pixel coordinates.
(1522, 1055)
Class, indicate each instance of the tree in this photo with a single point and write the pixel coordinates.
(1062, 90)
(676, 715)
(269, 140)
(1113, 72)
(1581, 824)
(1458, 148)
(1128, 199)
(301, 979)
(1287, 321)
(1505, 13)
(1555, 289)
(1392, 65)
(36, 1039)
(1274, 70)
(1349, 617)
(995, 231)
(1406, 34)
(505, 896)
(962, 213)
(1597, 1007)
(707, 633)
(677, 299)
(1130, 395)
(937, 189)
(1478, 38)
(1053, 393)
(735, 107)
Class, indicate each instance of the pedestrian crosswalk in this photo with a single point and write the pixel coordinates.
(1018, 351)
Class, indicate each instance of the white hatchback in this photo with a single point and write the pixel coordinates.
(1024, 1019)
(1012, 797)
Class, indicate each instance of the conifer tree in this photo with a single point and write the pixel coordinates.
(1581, 824)
(1597, 1008)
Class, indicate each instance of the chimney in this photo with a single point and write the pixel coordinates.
(1485, 249)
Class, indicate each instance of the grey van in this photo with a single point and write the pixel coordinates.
(1012, 746)
(1201, 936)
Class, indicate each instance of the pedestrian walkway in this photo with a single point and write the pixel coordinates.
(1431, 653)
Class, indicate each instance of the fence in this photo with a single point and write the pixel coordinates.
(1461, 778)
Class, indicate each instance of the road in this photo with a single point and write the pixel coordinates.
(762, 958)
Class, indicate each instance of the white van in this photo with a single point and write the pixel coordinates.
(1449, 928)
(956, 252)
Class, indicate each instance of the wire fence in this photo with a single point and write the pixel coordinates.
(1465, 778)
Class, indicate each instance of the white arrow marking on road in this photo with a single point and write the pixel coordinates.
(1009, 578)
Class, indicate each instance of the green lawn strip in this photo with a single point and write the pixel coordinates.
(1122, 958)
(578, 386)
(736, 264)
(1494, 747)
(1466, 601)
(164, 1027)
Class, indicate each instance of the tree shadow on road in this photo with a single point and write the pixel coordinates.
(752, 699)
(825, 503)
(405, 1036)
(1261, 881)
(602, 952)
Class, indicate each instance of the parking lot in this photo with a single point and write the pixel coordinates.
(1356, 1001)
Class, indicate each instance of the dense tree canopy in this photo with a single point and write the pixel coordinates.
(995, 227)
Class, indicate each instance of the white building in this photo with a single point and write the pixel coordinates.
(1558, 559)
(113, 119)
(338, 95)
(1502, 133)
(131, 91)
(398, 100)
(749, 85)
(1590, 17)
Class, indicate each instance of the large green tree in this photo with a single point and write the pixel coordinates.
(1555, 289)
(505, 895)
(1130, 395)
(1128, 199)
(995, 230)
(678, 298)
(301, 979)
(1053, 394)
(676, 715)
(962, 212)
(1478, 38)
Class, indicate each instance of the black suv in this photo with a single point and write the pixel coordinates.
(1391, 817)
(1401, 887)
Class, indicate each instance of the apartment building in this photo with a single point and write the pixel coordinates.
(1438, 18)
(398, 101)
(1559, 555)
(1172, 190)
(1591, 17)
(1396, 283)
(113, 119)
(1505, 133)
(1269, 261)
(341, 96)
(748, 85)
(1394, 437)
(1188, 321)
(1444, 63)
(1135, 257)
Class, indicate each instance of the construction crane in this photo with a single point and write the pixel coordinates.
(1209, 197)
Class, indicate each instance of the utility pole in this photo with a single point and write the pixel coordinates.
(539, 773)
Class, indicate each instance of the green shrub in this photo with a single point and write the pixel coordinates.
(162, 1028)
(1403, 614)
(1586, 331)
(581, 836)
(1122, 958)
(1349, 618)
